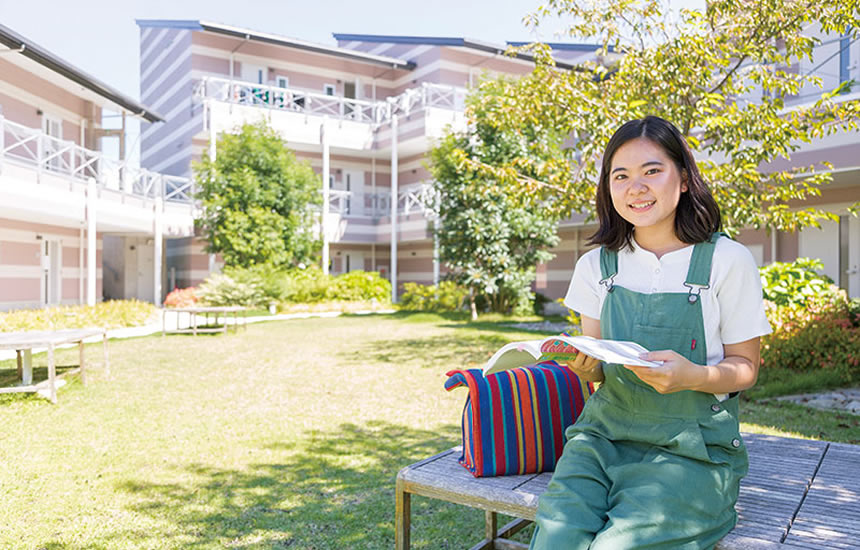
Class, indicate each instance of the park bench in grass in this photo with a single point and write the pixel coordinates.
(798, 494)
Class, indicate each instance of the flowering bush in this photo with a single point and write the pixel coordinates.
(222, 290)
(822, 333)
(110, 314)
(181, 297)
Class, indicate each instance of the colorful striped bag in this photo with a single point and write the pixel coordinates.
(514, 420)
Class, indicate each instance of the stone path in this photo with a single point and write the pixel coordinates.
(847, 400)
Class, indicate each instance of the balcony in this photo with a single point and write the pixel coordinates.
(412, 199)
(45, 179)
(365, 217)
(297, 115)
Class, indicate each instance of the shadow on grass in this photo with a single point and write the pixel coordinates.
(336, 492)
(460, 351)
(9, 377)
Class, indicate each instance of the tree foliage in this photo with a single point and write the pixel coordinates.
(259, 202)
(721, 74)
(490, 244)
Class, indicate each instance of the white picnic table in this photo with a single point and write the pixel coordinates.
(25, 342)
(196, 311)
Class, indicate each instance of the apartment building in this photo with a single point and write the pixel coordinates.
(75, 225)
(364, 113)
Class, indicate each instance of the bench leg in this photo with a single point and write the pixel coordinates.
(52, 375)
(491, 525)
(20, 366)
(81, 361)
(402, 518)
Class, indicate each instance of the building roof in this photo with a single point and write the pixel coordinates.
(566, 46)
(257, 36)
(40, 55)
(463, 43)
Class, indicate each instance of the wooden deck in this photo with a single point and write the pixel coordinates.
(798, 494)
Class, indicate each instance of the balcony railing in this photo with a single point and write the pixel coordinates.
(46, 154)
(410, 200)
(311, 103)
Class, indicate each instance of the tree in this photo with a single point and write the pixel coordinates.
(490, 244)
(722, 75)
(259, 202)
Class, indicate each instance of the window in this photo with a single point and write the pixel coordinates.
(282, 82)
(328, 89)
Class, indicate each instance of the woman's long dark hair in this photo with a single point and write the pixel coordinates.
(697, 215)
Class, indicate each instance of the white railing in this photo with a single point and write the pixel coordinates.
(311, 103)
(415, 198)
(411, 199)
(32, 147)
(287, 99)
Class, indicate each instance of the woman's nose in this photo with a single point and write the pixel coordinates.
(638, 186)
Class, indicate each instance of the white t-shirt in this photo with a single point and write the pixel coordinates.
(732, 308)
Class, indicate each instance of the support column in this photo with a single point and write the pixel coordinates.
(213, 154)
(393, 267)
(211, 128)
(326, 169)
(91, 242)
(81, 263)
(158, 244)
(435, 251)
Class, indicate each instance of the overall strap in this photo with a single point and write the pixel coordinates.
(608, 267)
(699, 273)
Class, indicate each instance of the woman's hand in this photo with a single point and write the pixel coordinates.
(586, 367)
(675, 374)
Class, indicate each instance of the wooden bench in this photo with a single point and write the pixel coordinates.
(798, 494)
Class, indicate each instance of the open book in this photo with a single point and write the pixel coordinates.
(563, 348)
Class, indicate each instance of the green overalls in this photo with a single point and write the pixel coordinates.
(641, 469)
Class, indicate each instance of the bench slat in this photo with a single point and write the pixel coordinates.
(781, 471)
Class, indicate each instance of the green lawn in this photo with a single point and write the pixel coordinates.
(287, 435)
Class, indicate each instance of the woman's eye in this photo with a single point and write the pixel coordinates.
(652, 171)
(620, 176)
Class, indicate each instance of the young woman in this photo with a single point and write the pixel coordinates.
(655, 459)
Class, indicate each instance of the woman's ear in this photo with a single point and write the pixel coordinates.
(684, 180)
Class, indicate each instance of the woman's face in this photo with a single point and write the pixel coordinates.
(645, 185)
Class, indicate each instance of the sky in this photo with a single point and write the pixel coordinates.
(101, 36)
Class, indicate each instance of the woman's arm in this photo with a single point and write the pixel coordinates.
(737, 371)
(585, 366)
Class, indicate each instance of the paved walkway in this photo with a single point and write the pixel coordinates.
(847, 400)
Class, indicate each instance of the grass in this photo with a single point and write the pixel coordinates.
(287, 435)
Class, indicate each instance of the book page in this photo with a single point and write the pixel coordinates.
(513, 355)
(609, 351)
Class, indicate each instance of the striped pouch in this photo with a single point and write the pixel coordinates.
(514, 420)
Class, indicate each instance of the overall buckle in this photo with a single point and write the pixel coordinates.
(608, 283)
(695, 291)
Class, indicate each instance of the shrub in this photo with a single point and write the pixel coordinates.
(359, 286)
(265, 277)
(181, 297)
(110, 314)
(820, 335)
(446, 296)
(222, 290)
(304, 285)
(785, 283)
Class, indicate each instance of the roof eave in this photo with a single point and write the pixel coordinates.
(45, 58)
(340, 52)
